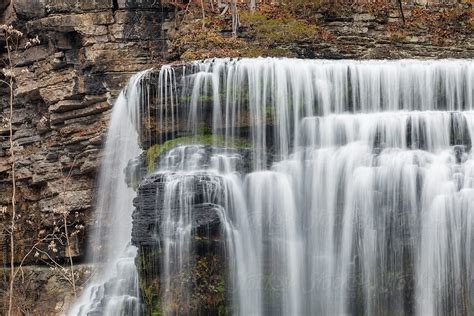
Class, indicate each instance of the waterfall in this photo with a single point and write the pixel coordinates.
(113, 289)
(359, 193)
(339, 187)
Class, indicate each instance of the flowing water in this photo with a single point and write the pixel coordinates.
(358, 191)
(113, 289)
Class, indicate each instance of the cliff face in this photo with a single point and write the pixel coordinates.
(65, 87)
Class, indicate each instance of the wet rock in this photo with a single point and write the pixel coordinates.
(149, 204)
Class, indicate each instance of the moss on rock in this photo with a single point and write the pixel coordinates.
(155, 151)
(279, 30)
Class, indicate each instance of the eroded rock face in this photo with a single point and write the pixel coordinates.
(64, 92)
(204, 275)
(150, 204)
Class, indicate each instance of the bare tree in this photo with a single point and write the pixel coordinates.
(400, 4)
(203, 14)
(253, 5)
(12, 38)
(235, 18)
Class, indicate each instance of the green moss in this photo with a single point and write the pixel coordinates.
(279, 30)
(206, 139)
(149, 284)
(221, 287)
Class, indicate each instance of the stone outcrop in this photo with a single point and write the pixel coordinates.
(64, 91)
(372, 36)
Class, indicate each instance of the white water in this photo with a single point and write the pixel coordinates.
(360, 194)
(365, 206)
(113, 289)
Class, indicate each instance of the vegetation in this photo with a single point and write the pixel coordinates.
(277, 30)
(272, 28)
(63, 229)
(12, 38)
(206, 139)
(439, 27)
(205, 277)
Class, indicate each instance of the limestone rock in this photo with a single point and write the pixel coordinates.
(56, 118)
(69, 22)
(30, 9)
(139, 4)
(66, 105)
(62, 6)
(64, 92)
(31, 55)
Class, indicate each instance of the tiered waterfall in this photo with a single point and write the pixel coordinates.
(341, 187)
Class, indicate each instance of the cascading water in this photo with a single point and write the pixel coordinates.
(113, 289)
(340, 187)
(359, 194)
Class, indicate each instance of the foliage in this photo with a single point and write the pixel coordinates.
(304, 7)
(274, 29)
(206, 280)
(280, 29)
(440, 27)
(193, 42)
(148, 283)
(204, 277)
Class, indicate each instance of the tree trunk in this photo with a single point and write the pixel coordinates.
(235, 18)
(253, 5)
(401, 11)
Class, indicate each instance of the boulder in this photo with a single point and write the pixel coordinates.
(30, 9)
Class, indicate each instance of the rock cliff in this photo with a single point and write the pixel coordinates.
(64, 90)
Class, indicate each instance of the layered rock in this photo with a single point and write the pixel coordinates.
(64, 91)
